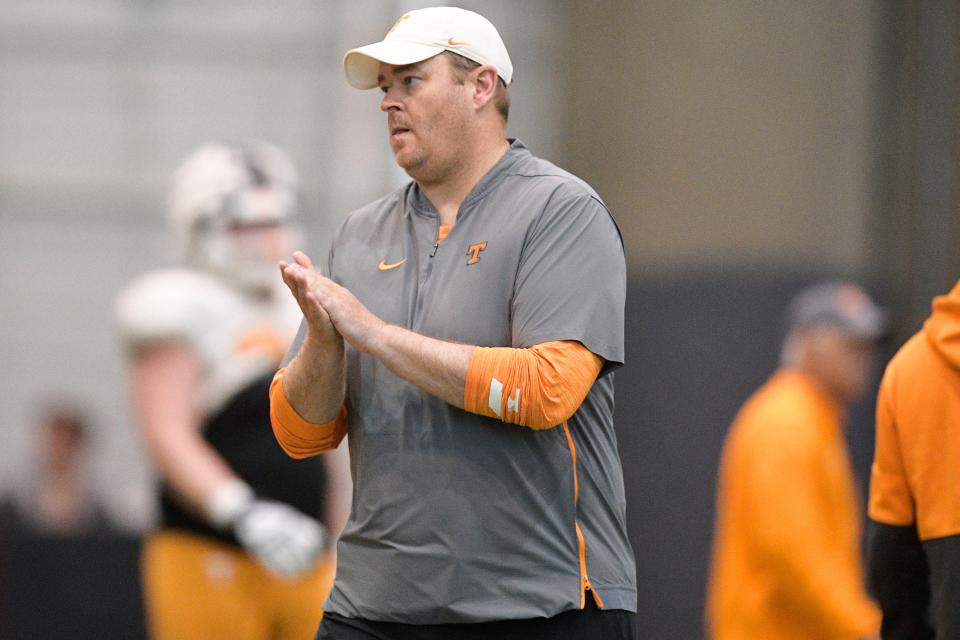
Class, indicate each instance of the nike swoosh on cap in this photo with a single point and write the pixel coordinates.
(455, 43)
(383, 266)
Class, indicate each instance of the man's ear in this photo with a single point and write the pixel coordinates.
(485, 85)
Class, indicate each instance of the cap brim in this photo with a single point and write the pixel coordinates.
(362, 65)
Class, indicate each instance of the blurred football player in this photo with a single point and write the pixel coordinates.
(242, 551)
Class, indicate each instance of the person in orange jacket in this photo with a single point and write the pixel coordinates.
(914, 549)
(786, 558)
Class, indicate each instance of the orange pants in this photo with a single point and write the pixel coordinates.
(199, 588)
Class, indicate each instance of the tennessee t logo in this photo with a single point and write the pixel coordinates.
(474, 252)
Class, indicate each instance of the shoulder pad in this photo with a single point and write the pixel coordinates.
(170, 304)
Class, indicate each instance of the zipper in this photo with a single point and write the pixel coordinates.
(585, 584)
(424, 277)
(436, 237)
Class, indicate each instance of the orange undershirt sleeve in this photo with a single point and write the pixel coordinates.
(297, 437)
(538, 387)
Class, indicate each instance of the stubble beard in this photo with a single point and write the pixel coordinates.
(437, 165)
(432, 170)
(426, 167)
(411, 162)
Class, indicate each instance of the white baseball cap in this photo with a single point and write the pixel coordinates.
(424, 33)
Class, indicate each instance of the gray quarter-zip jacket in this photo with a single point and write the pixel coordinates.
(458, 517)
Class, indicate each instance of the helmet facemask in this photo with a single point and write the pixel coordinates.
(236, 210)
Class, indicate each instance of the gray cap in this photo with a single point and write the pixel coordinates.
(844, 305)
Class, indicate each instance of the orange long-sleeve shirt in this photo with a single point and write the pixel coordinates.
(915, 481)
(786, 560)
(914, 477)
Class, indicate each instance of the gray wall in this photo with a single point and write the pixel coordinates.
(728, 133)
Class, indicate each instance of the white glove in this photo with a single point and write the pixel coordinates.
(281, 538)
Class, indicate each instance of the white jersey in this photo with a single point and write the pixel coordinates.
(238, 337)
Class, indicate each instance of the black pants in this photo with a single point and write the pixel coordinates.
(590, 623)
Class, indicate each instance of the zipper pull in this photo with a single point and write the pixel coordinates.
(435, 247)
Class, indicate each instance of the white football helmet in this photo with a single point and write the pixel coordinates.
(234, 209)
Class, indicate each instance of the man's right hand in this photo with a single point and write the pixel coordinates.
(300, 276)
(314, 382)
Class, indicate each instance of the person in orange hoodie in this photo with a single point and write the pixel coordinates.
(786, 557)
(914, 547)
